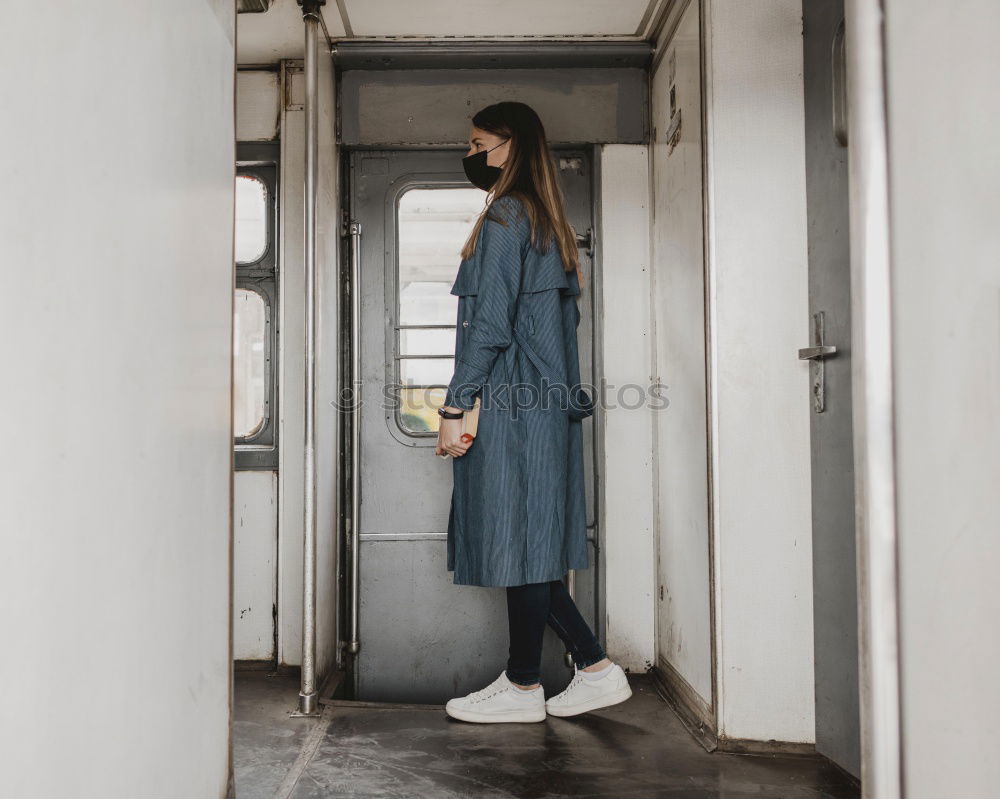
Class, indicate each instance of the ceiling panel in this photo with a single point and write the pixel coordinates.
(278, 33)
(492, 18)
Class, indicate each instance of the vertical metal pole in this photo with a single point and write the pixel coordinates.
(307, 692)
(354, 642)
(871, 332)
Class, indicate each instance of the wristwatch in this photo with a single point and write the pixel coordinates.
(449, 415)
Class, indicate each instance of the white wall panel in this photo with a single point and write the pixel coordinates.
(684, 626)
(760, 400)
(116, 485)
(625, 337)
(255, 563)
(945, 275)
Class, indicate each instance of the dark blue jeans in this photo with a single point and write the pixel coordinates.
(529, 608)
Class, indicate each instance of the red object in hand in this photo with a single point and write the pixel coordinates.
(470, 423)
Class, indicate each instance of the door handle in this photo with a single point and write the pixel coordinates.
(816, 355)
(809, 353)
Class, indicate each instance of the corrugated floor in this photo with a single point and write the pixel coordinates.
(638, 748)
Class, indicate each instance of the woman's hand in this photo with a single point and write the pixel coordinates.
(449, 438)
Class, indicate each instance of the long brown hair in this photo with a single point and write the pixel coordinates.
(529, 173)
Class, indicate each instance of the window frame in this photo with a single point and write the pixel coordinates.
(260, 160)
(394, 327)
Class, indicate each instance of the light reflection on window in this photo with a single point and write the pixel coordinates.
(250, 366)
(251, 219)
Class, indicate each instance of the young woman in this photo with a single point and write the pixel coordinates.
(518, 507)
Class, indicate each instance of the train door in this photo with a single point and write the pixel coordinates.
(423, 638)
(835, 624)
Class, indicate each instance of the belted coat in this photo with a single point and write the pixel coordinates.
(518, 505)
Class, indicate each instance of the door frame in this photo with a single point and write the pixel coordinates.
(347, 152)
(874, 402)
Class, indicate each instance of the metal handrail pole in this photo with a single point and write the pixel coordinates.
(354, 643)
(307, 692)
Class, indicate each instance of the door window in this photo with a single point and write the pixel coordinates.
(433, 224)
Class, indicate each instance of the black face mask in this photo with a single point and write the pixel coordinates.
(478, 171)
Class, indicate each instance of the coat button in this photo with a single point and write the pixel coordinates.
(465, 323)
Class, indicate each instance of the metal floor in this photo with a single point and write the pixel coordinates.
(638, 748)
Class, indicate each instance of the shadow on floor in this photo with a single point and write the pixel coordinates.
(638, 748)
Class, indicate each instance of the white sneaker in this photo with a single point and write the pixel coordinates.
(583, 694)
(499, 702)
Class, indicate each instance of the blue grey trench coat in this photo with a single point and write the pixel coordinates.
(518, 505)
